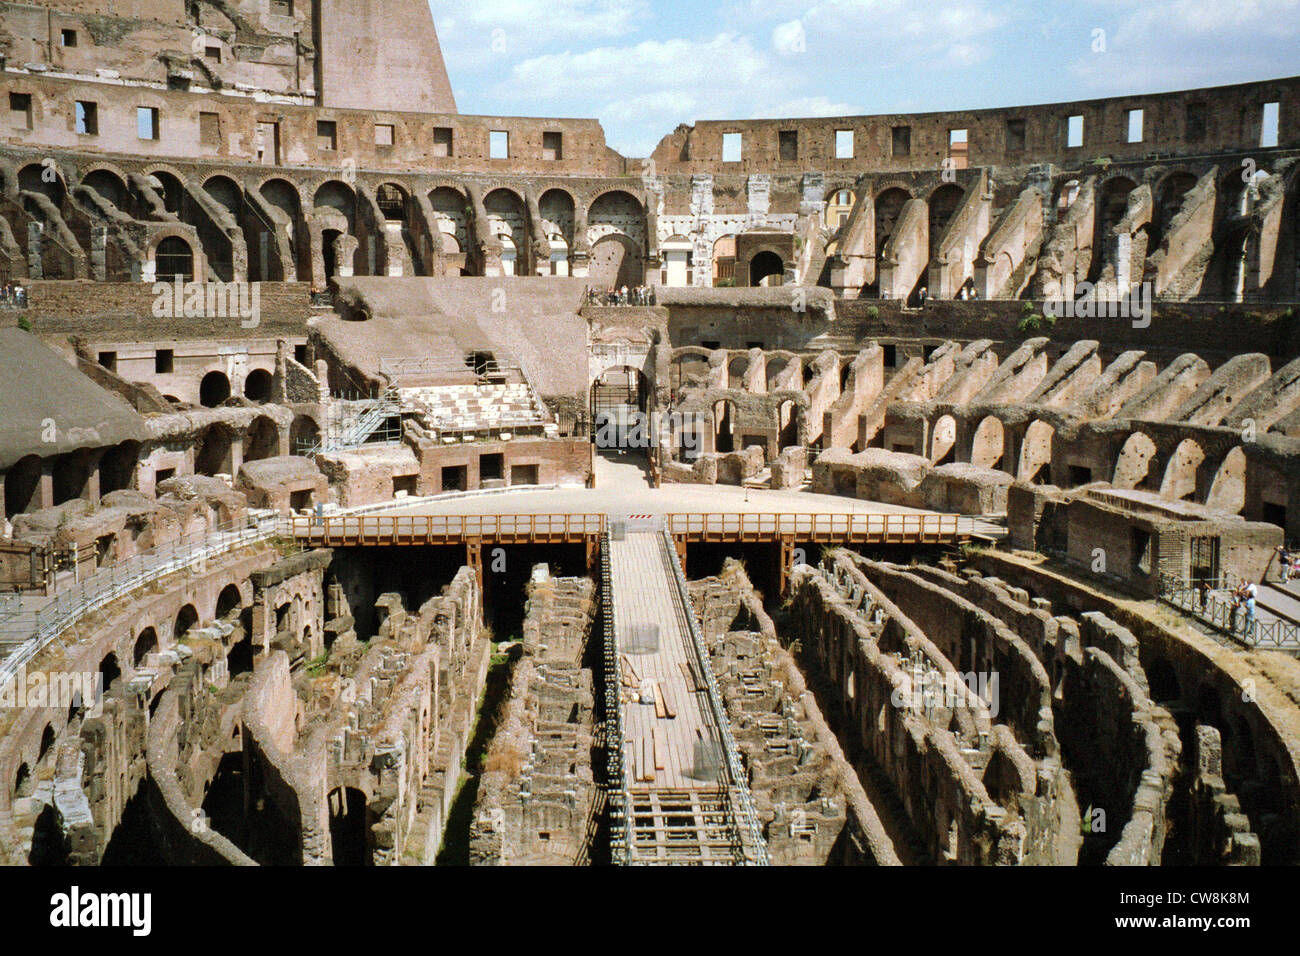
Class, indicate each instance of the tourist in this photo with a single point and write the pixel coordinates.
(1284, 560)
(923, 295)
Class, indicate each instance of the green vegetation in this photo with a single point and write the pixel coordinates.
(24, 323)
(873, 313)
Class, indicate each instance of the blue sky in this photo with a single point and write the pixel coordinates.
(643, 66)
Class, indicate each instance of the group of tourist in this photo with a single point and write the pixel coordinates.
(1245, 594)
(641, 295)
(1288, 563)
(968, 293)
(13, 296)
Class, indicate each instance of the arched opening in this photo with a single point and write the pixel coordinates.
(619, 399)
(787, 420)
(889, 208)
(22, 486)
(1133, 466)
(214, 390)
(170, 190)
(1228, 490)
(724, 426)
(262, 440)
(71, 475)
(989, 443)
(452, 221)
(45, 180)
(391, 200)
(616, 230)
(214, 452)
(145, 644)
(227, 601)
(1112, 204)
(339, 197)
(186, 618)
(557, 210)
(23, 783)
(349, 832)
(1163, 682)
(766, 269)
(110, 672)
(226, 192)
(174, 259)
(616, 262)
(1168, 201)
(1036, 454)
(117, 467)
(688, 368)
(943, 441)
(736, 370)
(508, 222)
(47, 743)
(304, 435)
(329, 252)
(1182, 477)
(109, 187)
(257, 386)
(943, 205)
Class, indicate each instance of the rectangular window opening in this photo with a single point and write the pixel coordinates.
(1270, 127)
(1074, 132)
(733, 147)
(385, 135)
(67, 37)
(164, 361)
(1136, 118)
(210, 129)
(442, 142)
(20, 110)
(901, 141)
(788, 145)
(327, 135)
(87, 118)
(844, 144)
(146, 122)
(552, 147)
(498, 144)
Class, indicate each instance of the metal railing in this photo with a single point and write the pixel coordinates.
(753, 846)
(37, 630)
(388, 529)
(1202, 600)
(873, 527)
(619, 800)
(372, 416)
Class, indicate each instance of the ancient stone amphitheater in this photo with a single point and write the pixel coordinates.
(387, 485)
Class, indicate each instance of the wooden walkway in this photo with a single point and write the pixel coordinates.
(671, 741)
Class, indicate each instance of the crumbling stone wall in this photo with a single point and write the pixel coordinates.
(538, 801)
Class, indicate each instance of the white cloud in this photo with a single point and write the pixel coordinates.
(790, 39)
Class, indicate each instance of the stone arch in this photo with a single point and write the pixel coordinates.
(23, 782)
(615, 262)
(173, 258)
(110, 671)
(338, 196)
(557, 209)
(766, 269)
(146, 643)
(1133, 467)
(724, 260)
(262, 440)
(737, 366)
(1163, 681)
(109, 186)
(214, 389)
(724, 426)
(788, 415)
(257, 385)
(889, 205)
(226, 192)
(1228, 489)
(213, 454)
(507, 222)
(186, 619)
(230, 599)
(117, 467)
(1168, 199)
(392, 201)
(1111, 206)
(688, 363)
(170, 187)
(1183, 471)
(942, 204)
(776, 364)
(1036, 453)
(48, 738)
(451, 219)
(943, 440)
(304, 434)
(34, 178)
(989, 443)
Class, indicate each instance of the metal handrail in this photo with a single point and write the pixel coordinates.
(1199, 600)
(616, 775)
(745, 813)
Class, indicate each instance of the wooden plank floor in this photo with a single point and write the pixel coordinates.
(645, 595)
